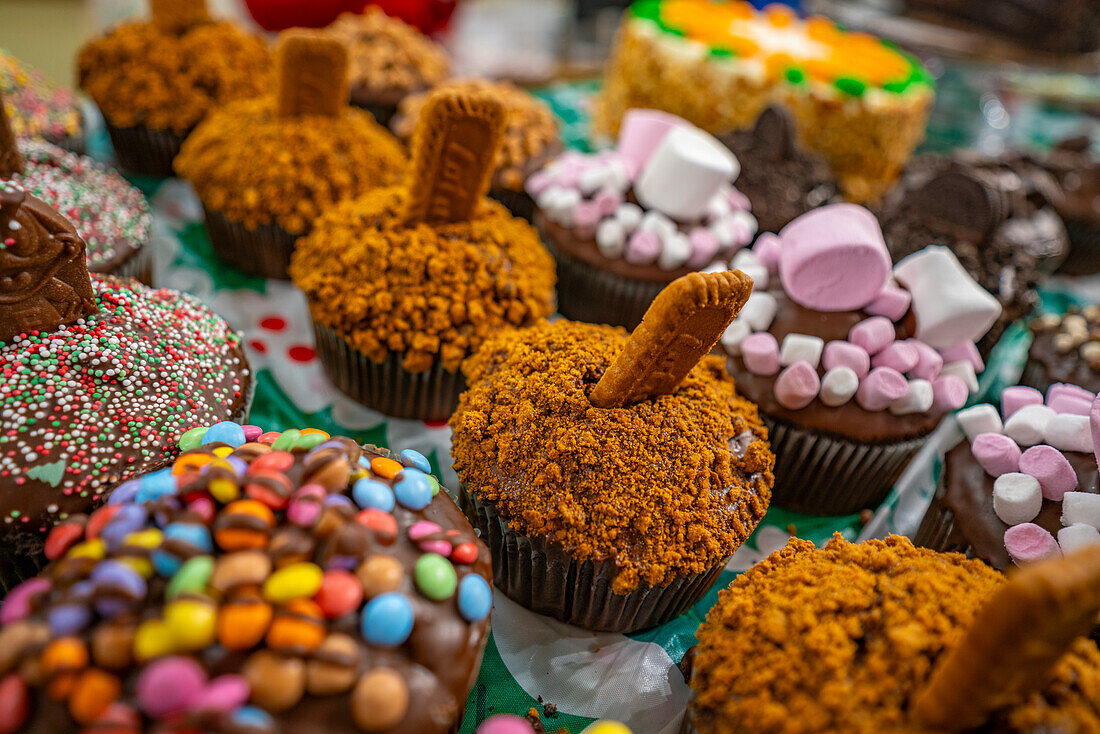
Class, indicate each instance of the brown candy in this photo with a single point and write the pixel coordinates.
(277, 682)
(333, 667)
(380, 574)
(113, 644)
(17, 638)
(177, 16)
(312, 73)
(453, 152)
(380, 700)
(11, 160)
(328, 468)
(290, 545)
(681, 326)
(248, 567)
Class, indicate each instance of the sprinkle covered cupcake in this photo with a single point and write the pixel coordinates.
(1065, 348)
(155, 80)
(885, 637)
(623, 224)
(100, 377)
(611, 476)
(266, 168)
(263, 583)
(852, 362)
(406, 282)
(530, 140)
(38, 108)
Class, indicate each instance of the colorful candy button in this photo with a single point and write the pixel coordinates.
(475, 598)
(387, 620)
(435, 577)
(413, 489)
(372, 493)
(299, 580)
(416, 460)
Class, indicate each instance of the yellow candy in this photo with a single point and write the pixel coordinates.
(88, 549)
(142, 565)
(606, 726)
(192, 623)
(292, 582)
(223, 451)
(149, 538)
(153, 639)
(223, 487)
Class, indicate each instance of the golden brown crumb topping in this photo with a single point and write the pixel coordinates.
(387, 54)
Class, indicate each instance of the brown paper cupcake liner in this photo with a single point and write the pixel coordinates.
(383, 113)
(264, 251)
(937, 529)
(519, 203)
(1084, 248)
(544, 578)
(144, 151)
(824, 474)
(138, 266)
(388, 387)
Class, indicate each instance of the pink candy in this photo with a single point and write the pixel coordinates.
(900, 356)
(998, 454)
(949, 393)
(170, 685)
(881, 387)
(17, 604)
(965, 352)
(505, 724)
(1051, 468)
(797, 386)
(892, 303)
(224, 694)
(845, 354)
(422, 529)
(704, 246)
(642, 248)
(761, 353)
(929, 362)
(1028, 542)
(1018, 396)
(302, 510)
(766, 248)
(873, 334)
(251, 433)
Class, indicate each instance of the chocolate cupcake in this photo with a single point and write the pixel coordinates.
(38, 108)
(852, 363)
(882, 636)
(388, 60)
(101, 376)
(624, 224)
(406, 282)
(612, 477)
(290, 583)
(997, 216)
(531, 137)
(781, 178)
(155, 80)
(265, 168)
(1065, 348)
(1023, 486)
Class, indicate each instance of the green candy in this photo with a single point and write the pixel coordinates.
(435, 484)
(309, 440)
(851, 86)
(286, 440)
(435, 577)
(192, 577)
(192, 439)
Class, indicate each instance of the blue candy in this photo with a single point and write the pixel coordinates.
(387, 620)
(124, 492)
(413, 489)
(372, 493)
(155, 485)
(475, 598)
(126, 587)
(251, 716)
(166, 563)
(338, 499)
(224, 432)
(128, 519)
(69, 619)
(417, 460)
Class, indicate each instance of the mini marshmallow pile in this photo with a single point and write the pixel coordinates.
(834, 259)
(1025, 453)
(679, 174)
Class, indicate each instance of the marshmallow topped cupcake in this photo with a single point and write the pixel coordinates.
(852, 361)
(623, 224)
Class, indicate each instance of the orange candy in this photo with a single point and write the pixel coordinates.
(92, 693)
(191, 463)
(299, 625)
(63, 655)
(243, 538)
(385, 468)
(243, 621)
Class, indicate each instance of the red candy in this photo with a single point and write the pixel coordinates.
(464, 553)
(14, 703)
(382, 523)
(61, 538)
(269, 437)
(340, 593)
(204, 508)
(99, 519)
(272, 488)
(118, 718)
(274, 461)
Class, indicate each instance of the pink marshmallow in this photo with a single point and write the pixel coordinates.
(586, 215)
(998, 454)
(1069, 403)
(738, 201)
(761, 353)
(1051, 468)
(834, 258)
(537, 182)
(873, 334)
(607, 201)
(640, 134)
(892, 303)
(949, 393)
(797, 386)
(1016, 397)
(642, 248)
(704, 246)
(845, 354)
(881, 387)
(1028, 543)
(965, 352)
(901, 356)
(929, 362)
(766, 248)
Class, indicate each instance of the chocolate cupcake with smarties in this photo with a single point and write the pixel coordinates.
(1065, 348)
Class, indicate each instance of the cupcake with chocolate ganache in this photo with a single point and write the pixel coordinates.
(611, 476)
(531, 137)
(38, 108)
(262, 582)
(852, 361)
(623, 224)
(1065, 348)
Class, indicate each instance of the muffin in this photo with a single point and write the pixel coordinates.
(613, 515)
(780, 177)
(852, 363)
(266, 168)
(882, 636)
(261, 583)
(404, 283)
(38, 108)
(100, 377)
(155, 80)
(531, 137)
(1022, 486)
(388, 60)
(1065, 349)
(859, 101)
(997, 216)
(625, 223)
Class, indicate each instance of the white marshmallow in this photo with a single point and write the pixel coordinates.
(801, 348)
(723, 232)
(838, 386)
(759, 310)
(964, 371)
(1076, 537)
(658, 224)
(593, 179)
(617, 176)
(949, 305)
(759, 275)
(917, 399)
(748, 219)
(734, 334)
(1017, 498)
(688, 167)
(1028, 424)
(611, 238)
(1068, 432)
(716, 267)
(744, 259)
(629, 215)
(1081, 507)
(559, 207)
(979, 419)
(675, 251)
(718, 206)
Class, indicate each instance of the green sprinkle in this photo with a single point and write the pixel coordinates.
(848, 85)
(722, 52)
(648, 9)
(795, 75)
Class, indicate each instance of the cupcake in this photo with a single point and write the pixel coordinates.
(531, 137)
(623, 224)
(781, 178)
(388, 60)
(885, 637)
(38, 108)
(1023, 485)
(265, 168)
(100, 377)
(404, 283)
(155, 80)
(288, 583)
(1065, 348)
(997, 217)
(853, 363)
(611, 476)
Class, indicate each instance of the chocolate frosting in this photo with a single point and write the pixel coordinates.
(1076, 171)
(1057, 26)
(1057, 354)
